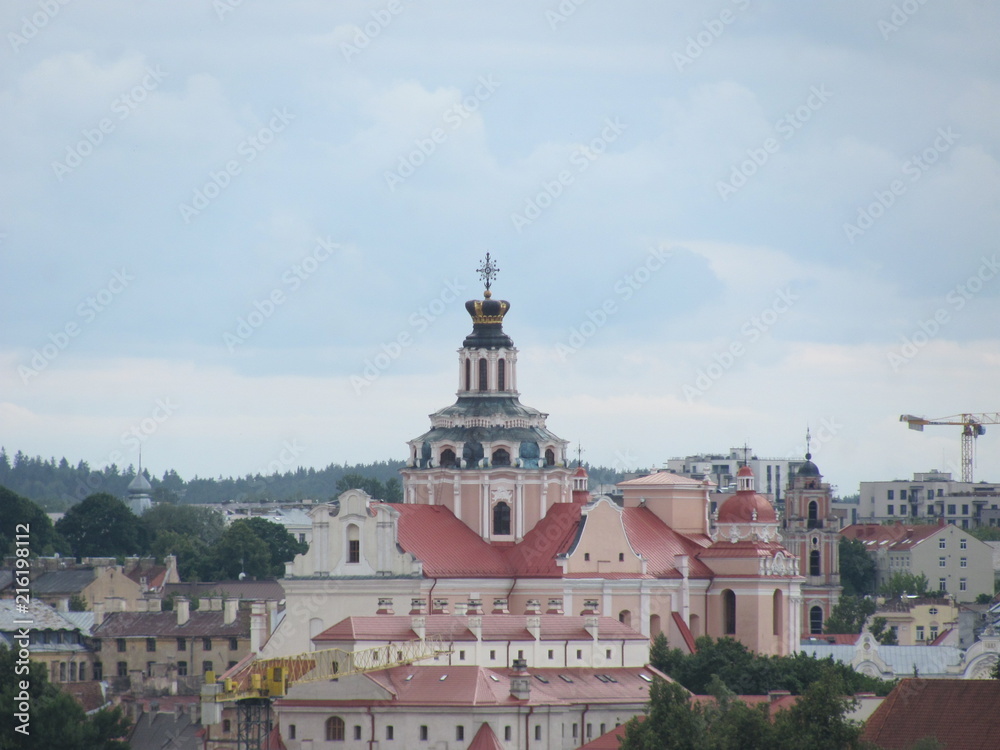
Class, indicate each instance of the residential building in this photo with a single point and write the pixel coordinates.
(772, 473)
(923, 621)
(953, 560)
(55, 641)
(931, 495)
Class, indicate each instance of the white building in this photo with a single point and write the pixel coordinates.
(772, 474)
(932, 494)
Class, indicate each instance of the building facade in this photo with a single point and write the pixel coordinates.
(931, 495)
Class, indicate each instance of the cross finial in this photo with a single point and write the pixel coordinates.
(488, 271)
(808, 440)
(579, 454)
(746, 454)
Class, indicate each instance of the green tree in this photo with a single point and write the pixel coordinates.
(239, 550)
(884, 635)
(391, 491)
(282, 546)
(672, 722)
(857, 568)
(904, 583)
(733, 725)
(15, 511)
(102, 526)
(818, 719)
(849, 615)
(197, 522)
(77, 603)
(56, 719)
(194, 560)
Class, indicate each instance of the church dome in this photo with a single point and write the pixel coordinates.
(747, 507)
(808, 469)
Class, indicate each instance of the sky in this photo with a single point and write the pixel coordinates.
(239, 235)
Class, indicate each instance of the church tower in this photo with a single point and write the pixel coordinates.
(811, 532)
(488, 458)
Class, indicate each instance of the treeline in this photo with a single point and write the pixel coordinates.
(57, 485)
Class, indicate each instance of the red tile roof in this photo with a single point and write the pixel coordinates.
(88, 694)
(485, 739)
(660, 544)
(152, 624)
(456, 627)
(894, 536)
(661, 479)
(685, 631)
(609, 741)
(962, 714)
(723, 548)
(423, 528)
(536, 554)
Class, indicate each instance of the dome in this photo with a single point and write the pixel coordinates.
(808, 469)
(580, 472)
(741, 506)
(139, 484)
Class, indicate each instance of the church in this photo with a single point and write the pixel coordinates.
(493, 511)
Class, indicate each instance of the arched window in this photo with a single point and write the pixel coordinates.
(334, 729)
(813, 514)
(501, 374)
(625, 618)
(353, 544)
(654, 626)
(695, 626)
(448, 458)
(501, 519)
(729, 612)
(468, 375)
(550, 457)
(482, 374)
(814, 567)
(777, 616)
(500, 457)
(816, 620)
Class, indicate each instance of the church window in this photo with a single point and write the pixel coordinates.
(500, 457)
(482, 374)
(468, 375)
(501, 519)
(625, 617)
(353, 544)
(816, 620)
(550, 457)
(448, 458)
(813, 514)
(501, 375)
(814, 566)
(334, 729)
(729, 612)
(776, 616)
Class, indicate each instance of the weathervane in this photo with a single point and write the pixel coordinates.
(488, 271)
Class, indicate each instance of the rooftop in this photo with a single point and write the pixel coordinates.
(153, 624)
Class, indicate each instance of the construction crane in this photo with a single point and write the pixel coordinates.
(972, 427)
(253, 683)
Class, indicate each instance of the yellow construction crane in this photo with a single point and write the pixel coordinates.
(253, 683)
(972, 427)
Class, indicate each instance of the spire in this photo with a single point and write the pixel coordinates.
(808, 441)
(579, 454)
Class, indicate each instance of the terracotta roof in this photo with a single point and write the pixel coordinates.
(660, 544)
(685, 631)
(941, 638)
(153, 575)
(741, 507)
(894, 536)
(960, 713)
(421, 531)
(455, 627)
(151, 624)
(608, 741)
(745, 548)
(535, 555)
(661, 479)
(485, 739)
(89, 694)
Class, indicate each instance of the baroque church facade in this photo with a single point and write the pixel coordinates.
(495, 519)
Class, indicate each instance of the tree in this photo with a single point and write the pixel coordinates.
(885, 636)
(15, 511)
(239, 550)
(56, 719)
(77, 603)
(672, 722)
(818, 719)
(849, 614)
(102, 526)
(193, 557)
(204, 524)
(904, 583)
(282, 546)
(857, 568)
(733, 725)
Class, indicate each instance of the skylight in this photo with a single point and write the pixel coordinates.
(646, 677)
(442, 678)
(564, 678)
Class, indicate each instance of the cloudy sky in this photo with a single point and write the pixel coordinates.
(240, 234)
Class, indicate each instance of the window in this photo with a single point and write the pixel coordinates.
(604, 727)
(389, 732)
(552, 654)
(506, 734)
(501, 374)
(816, 620)
(227, 725)
(920, 632)
(233, 644)
(96, 643)
(423, 727)
(942, 562)
(902, 494)
(579, 653)
(621, 557)
(121, 645)
(500, 457)
(891, 494)
(520, 654)
(448, 458)
(962, 544)
(965, 510)
(468, 375)
(942, 584)
(550, 457)
(729, 612)
(334, 729)
(586, 557)
(814, 567)
(357, 731)
(951, 509)
(892, 510)
(459, 733)
(182, 644)
(963, 563)
(493, 655)
(963, 584)
(461, 655)
(151, 645)
(302, 538)
(182, 669)
(123, 669)
(942, 543)
(482, 374)
(291, 731)
(607, 653)
(574, 730)
(72, 671)
(501, 519)
(83, 671)
(353, 544)
(538, 731)
(206, 667)
(98, 671)
(933, 610)
(934, 632)
(590, 729)
(206, 644)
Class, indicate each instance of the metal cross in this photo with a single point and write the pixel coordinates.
(488, 271)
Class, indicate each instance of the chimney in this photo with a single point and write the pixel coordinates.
(183, 608)
(590, 624)
(384, 606)
(215, 604)
(98, 613)
(440, 607)
(461, 608)
(418, 606)
(258, 626)
(114, 603)
(555, 606)
(272, 613)
(230, 606)
(475, 607)
(534, 625)
(476, 626)
(141, 605)
(62, 604)
(520, 681)
(500, 607)
(590, 607)
(419, 626)
(533, 607)
(155, 604)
